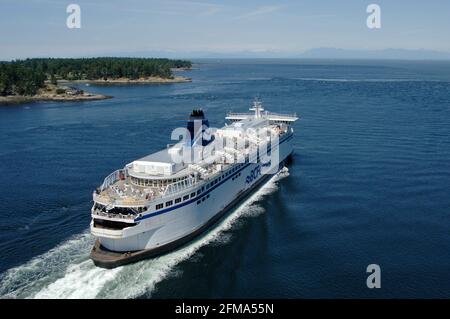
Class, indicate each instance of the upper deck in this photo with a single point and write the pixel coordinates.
(158, 175)
(259, 113)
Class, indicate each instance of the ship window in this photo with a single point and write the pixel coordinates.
(198, 202)
(108, 224)
(178, 200)
(159, 206)
(198, 192)
(203, 199)
(203, 188)
(169, 203)
(192, 195)
(207, 196)
(186, 197)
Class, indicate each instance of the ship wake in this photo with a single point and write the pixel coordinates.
(66, 271)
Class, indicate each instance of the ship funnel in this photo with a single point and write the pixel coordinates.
(197, 126)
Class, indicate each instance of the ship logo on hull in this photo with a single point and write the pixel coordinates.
(254, 174)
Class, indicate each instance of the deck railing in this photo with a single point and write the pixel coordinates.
(179, 186)
(272, 114)
(112, 178)
(117, 216)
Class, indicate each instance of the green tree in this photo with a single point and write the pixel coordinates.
(53, 79)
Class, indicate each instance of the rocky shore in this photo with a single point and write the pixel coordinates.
(53, 93)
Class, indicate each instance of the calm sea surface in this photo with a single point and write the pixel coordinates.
(370, 183)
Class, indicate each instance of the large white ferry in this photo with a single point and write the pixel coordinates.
(163, 200)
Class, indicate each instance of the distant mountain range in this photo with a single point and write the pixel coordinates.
(400, 54)
(316, 53)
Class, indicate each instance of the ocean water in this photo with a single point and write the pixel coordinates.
(369, 184)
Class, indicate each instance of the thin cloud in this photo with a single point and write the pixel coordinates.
(260, 11)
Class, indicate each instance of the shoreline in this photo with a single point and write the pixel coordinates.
(46, 96)
(21, 99)
(149, 80)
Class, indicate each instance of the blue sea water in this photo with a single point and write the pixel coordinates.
(369, 184)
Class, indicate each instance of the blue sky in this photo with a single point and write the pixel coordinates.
(30, 28)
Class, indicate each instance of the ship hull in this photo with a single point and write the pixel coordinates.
(159, 234)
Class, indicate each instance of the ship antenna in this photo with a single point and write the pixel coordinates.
(257, 107)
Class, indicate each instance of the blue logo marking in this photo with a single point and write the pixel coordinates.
(254, 174)
(267, 164)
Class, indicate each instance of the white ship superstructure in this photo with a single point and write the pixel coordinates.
(161, 201)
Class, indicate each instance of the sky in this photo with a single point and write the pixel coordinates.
(37, 28)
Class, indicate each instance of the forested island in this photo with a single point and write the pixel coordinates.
(41, 78)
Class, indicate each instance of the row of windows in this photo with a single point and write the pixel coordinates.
(155, 182)
(177, 200)
(201, 190)
(203, 199)
(226, 174)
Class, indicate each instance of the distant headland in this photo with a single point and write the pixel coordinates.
(48, 79)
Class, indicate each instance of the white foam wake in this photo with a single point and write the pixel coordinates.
(66, 271)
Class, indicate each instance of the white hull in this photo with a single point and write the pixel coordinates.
(161, 229)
